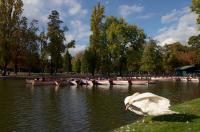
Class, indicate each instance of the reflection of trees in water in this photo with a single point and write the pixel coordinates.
(107, 109)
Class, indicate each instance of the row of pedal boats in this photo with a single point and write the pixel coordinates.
(88, 82)
(182, 79)
(91, 82)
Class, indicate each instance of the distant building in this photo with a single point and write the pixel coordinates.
(189, 70)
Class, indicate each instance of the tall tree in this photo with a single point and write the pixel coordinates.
(122, 40)
(32, 46)
(18, 46)
(43, 51)
(10, 13)
(134, 39)
(95, 38)
(56, 39)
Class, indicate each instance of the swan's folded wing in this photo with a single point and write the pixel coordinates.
(152, 107)
(145, 96)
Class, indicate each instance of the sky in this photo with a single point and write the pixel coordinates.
(167, 21)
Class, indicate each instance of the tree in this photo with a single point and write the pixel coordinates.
(122, 39)
(67, 65)
(43, 51)
(196, 8)
(18, 46)
(194, 41)
(89, 61)
(56, 38)
(10, 13)
(95, 38)
(85, 62)
(76, 62)
(134, 38)
(32, 46)
(171, 52)
(67, 62)
(115, 44)
(148, 62)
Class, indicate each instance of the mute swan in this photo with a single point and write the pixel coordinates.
(148, 104)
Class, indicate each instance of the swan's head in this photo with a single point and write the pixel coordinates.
(126, 101)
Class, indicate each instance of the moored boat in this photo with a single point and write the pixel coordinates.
(184, 79)
(41, 81)
(194, 79)
(120, 82)
(73, 82)
(38, 83)
(102, 82)
(90, 83)
(139, 82)
(86, 82)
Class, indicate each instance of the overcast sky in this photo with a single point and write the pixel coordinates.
(167, 21)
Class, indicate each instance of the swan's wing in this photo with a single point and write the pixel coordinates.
(136, 97)
(152, 107)
(148, 103)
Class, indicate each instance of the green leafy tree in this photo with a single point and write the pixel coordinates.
(196, 8)
(43, 51)
(18, 46)
(76, 62)
(67, 62)
(149, 62)
(32, 46)
(85, 62)
(56, 38)
(123, 38)
(95, 38)
(134, 38)
(10, 13)
(170, 58)
(194, 41)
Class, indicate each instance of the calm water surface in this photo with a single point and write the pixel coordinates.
(50, 109)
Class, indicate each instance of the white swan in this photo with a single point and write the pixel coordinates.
(148, 104)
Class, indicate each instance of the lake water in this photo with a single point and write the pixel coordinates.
(76, 109)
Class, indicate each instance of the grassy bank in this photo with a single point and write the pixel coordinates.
(187, 121)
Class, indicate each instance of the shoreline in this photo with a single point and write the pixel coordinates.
(187, 120)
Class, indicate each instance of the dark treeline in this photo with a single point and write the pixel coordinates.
(115, 46)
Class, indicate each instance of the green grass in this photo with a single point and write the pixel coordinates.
(187, 121)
